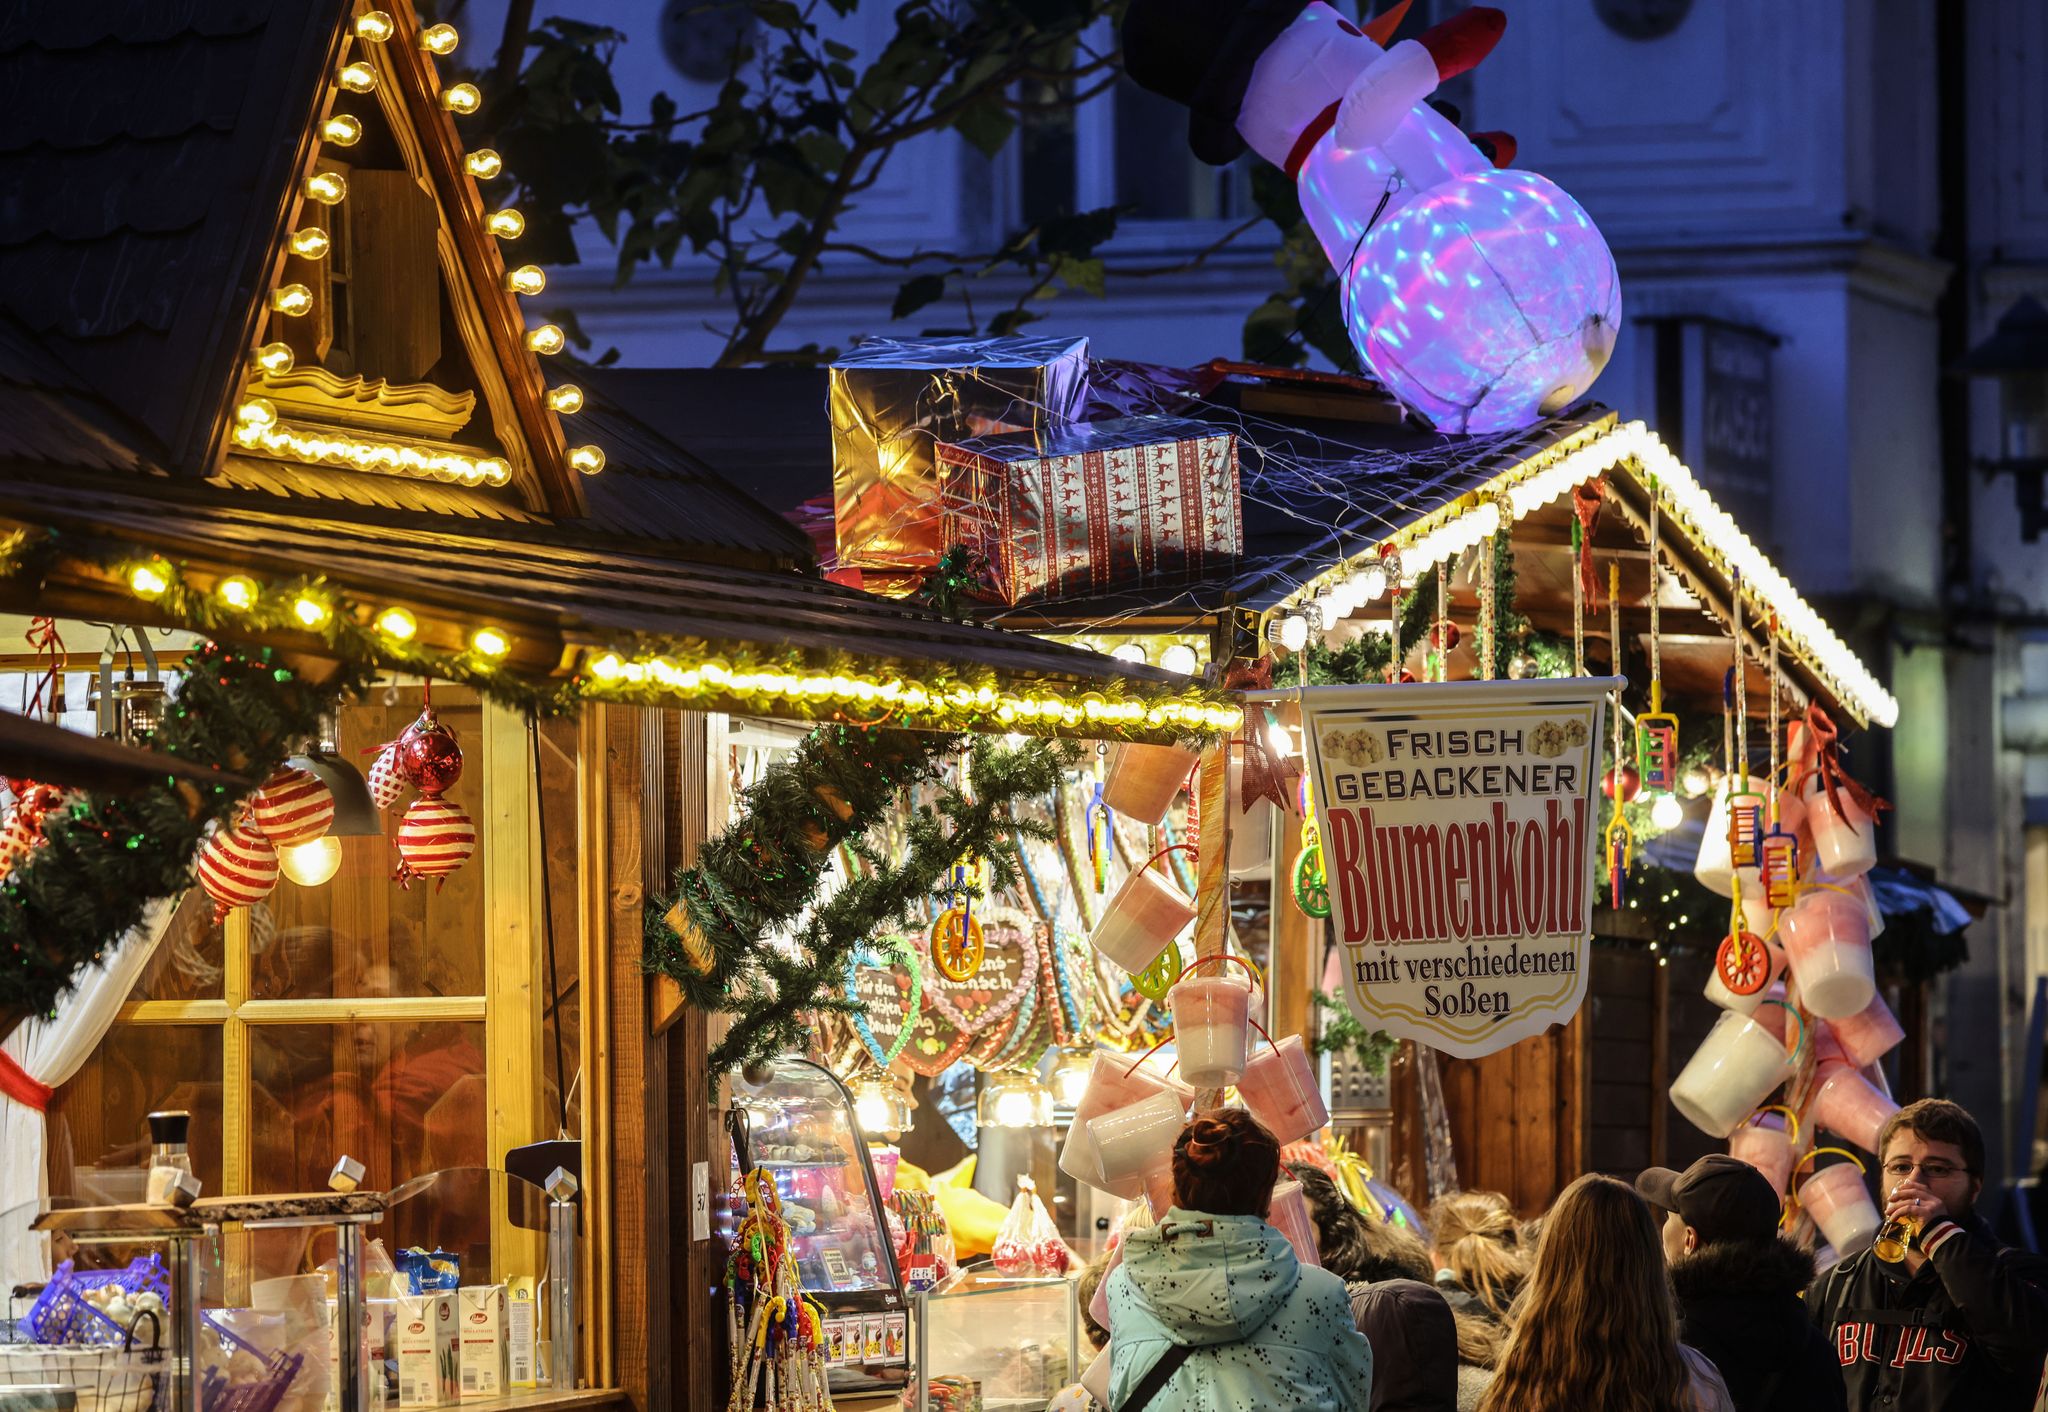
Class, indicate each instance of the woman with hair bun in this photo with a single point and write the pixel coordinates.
(1211, 1310)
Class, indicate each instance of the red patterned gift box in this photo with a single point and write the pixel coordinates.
(1089, 508)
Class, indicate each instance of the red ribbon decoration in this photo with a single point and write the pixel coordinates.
(1586, 502)
(1833, 778)
(21, 1086)
(1267, 775)
(45, 642)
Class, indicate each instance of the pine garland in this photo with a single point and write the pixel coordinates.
(105, 857)
(757, 877)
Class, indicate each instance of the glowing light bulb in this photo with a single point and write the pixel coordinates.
(375, 26)
(311, 864)
(310, 243)
(397, 624)
(327, 187)
(483, 164)
(342, 130)
(565, 398)
(358, 77)
(494, 469)
(439, 39)
(1180, 658)
(527, 279)
(507, 224)
(462, 98)
(587, 459)
(1294, 632)
(871, 1109)
(151, 579)
(275, 358)
(545, 339)
(1279, 741)
(1667, 813)
(1129, 652)
(489, 642)
(309, 610)
(256, 412)
(237, 592)
(292, 299)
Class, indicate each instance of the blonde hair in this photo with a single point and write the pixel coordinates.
(1476, 1238)
(1596, 1327)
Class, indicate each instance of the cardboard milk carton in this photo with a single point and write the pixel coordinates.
(480, 1322)
(522, 1331)
(424, 1331)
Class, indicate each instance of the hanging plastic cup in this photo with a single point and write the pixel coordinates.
(1143, 780)
(1768, 1149)
(1718, 990)
(1279, 1088)
(1772, 1011)
(1134, 1143)
(1734, 1070)
(1714, 867)
(1827, 942)
(1142, 920)
(1291, 1217)
(1113, 1082)
(1846, 1103)
(1869, 1034)
(1211, 1024)
(1844, 840)
(1839, 1202)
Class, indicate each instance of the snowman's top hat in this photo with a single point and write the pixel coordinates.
(1201, 53)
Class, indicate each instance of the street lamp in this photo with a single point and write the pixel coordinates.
(2016, 355)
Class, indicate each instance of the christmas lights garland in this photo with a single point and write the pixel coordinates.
(104, 857)
(757, 877)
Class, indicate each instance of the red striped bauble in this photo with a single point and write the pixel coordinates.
(238, 868)
(434, 839)
(388, 783)
(294, 806)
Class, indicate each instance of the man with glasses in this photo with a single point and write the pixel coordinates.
(1961, 1323)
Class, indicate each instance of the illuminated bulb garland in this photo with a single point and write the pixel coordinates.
(397, 624)
(275, 358)
(489, 642)
(334, 449)
(565, 398)
(310, 243)
(375, 26)
(358, 77)
(293, 299)
(462, 98)
(545, 339)
(342, 130)
(439, 39)
(327, 187)
(587, 459)
(238, 592)
(483, 164)
(507, 224)
(527, 279)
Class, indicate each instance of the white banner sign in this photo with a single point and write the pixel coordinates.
(1458, 823)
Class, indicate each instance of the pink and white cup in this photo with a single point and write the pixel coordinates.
(1279, 1088)
(1767, 1147)
(1290, 1216)
(1734, 1070)
(1135, 1143)
(1845, 840)
(1827, 942)
(1714, 867)
(1846, 1103)
(1143, 780)
(1211, 1028)
(1113, 1082)
(1717, 989)
(1869, 1034)
(1142, 920)
(1840, 1205)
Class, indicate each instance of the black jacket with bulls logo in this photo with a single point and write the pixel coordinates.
(1967, 1334)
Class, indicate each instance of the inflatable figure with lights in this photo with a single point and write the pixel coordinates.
(1481, 296)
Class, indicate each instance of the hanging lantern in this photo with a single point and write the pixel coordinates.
(238, 868)
(434, 839)
(292, 808)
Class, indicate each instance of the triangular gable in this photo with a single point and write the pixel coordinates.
(408, 353)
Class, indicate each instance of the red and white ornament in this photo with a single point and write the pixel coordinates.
(294, 806)
(387, 781)
(238, 868)
(23, 833)
(434, 839)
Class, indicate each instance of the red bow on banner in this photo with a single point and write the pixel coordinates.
(1586, 502)
(1834, 779)
(1267, 773)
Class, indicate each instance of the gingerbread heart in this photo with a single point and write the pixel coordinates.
(888, 983)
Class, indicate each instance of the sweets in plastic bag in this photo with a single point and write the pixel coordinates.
(1029, 1244)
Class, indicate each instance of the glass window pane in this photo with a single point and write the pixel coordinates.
(187, 963)
(361, 934)
(404, 1098)
(562, 1025)
(99, 1129)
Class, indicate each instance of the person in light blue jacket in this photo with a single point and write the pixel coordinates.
(1211, 1312)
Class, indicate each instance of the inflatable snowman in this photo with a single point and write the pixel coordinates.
(1483, 298)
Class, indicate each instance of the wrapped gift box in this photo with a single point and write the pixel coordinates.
(1103, 505)
(893, 401)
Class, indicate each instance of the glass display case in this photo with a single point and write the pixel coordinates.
(798, 1124)
(1006, 1343)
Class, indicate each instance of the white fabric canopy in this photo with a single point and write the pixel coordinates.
(51, 1052)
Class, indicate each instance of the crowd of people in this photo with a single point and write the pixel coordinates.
(1679, 1293)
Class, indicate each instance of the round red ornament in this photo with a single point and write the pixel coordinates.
(434, 839)
(428, 755)
(238, 868)
(294, 806)
(387, 781)
(1444, 635)
(1631, 784)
